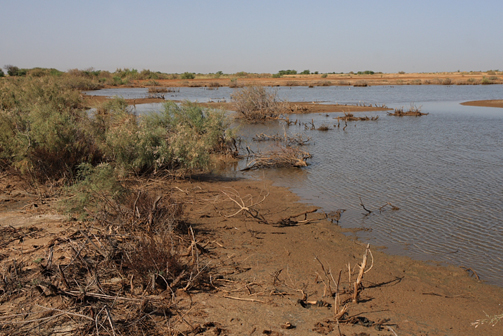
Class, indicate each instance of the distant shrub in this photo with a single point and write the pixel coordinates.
(276, 75)
(234, 83)
(287, 72)
(324, 76)
(366, 72)
(188, 75)
(491, 72)
(324, 83)
(486, 81)
(256, 103)
(2, 74)
(401, 72)
(305, 72)
(446, 81)
(152, 83)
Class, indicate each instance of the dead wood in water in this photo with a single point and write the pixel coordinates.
(414, 111)
(350, 117)
(281, 157)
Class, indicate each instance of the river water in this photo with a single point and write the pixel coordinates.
(443, 170)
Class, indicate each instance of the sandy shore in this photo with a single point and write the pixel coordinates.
(266, 266)
(485, 103)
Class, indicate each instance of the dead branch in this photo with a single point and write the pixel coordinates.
(283, 156)
(360, 274)
(288, 220)
(234, 196)
(363, 206)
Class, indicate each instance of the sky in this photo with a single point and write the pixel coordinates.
(253, 36)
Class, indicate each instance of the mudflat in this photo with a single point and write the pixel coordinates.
(273, 273)
(485, 103)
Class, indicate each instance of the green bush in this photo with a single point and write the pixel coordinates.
(40, 127)
(95, 190)
(2, 74)
(287, 72)
(46, 133)
(305, 72)
(188, 75)
(324, 76)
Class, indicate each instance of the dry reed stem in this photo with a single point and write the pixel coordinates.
(361, 273)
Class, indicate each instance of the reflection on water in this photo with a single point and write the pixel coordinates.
(444, 171)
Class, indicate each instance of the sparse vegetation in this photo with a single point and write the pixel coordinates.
(413, 110)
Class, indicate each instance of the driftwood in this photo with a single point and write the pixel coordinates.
(351, 117)
(281, 157)
(287, 221)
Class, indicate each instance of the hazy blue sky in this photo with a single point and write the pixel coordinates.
(254, 36)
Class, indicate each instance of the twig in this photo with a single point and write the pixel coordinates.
(363, 206)
(242, 299)
(391, 329)
(107, 310)
(360, 274)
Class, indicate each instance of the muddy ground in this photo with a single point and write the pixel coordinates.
(271, 275)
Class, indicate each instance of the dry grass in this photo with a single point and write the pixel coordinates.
(157, 89)
(122, 275)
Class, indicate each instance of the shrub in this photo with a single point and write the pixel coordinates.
(324, 76)
(41, 131)
(2, 74)
(188, 75)
(486, 81)
(256, 103)
(181, 137)
(305, 72)
(95, 190)
(287, 72)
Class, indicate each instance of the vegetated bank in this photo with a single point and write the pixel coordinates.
(143, 253)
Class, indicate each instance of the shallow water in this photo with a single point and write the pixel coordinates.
(444, 170)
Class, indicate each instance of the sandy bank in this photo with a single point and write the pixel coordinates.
(485, 103)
